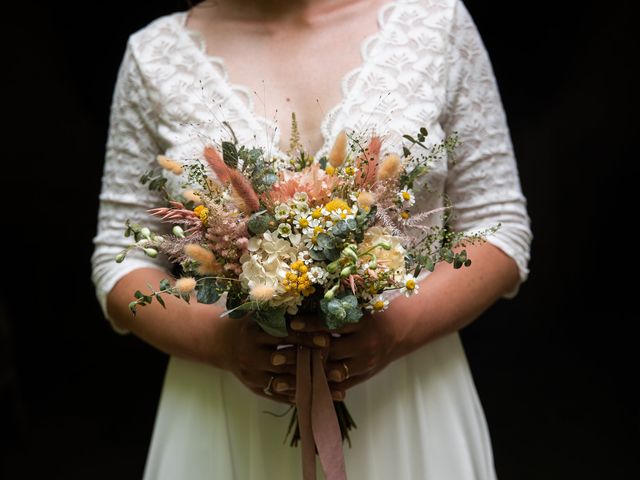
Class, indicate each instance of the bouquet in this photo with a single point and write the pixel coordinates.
(284, 235)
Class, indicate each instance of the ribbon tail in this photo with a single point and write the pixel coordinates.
(325, 426)
(304, 408)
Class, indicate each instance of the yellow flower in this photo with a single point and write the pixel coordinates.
(202, 212)
(330, 170)
(316, 214)
(349, 170)
(405, 215)
(336, 204)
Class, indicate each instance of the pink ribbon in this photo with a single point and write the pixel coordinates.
(317, 419)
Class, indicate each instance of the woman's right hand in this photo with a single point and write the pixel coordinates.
(252, 355)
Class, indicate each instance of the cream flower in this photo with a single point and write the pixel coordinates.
(392, 259)
(282, 211)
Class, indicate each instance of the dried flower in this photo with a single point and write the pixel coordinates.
(367, 162)
(204, 256)
(365, 200)
(390, 168)
(339, 150)
(217, 164)
(192, 196)
(262, 293)
(170, 165)
(186, 285)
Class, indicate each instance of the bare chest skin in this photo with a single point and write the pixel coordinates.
(295, 65)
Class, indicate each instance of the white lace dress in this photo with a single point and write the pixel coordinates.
(420, 418)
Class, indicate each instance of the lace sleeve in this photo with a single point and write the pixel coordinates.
(483, 182)
(131, 150)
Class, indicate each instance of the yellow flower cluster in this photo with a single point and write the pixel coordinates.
(202, 212)
(297, 281)
(336, 204)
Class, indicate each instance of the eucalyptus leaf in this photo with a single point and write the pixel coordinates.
(331, 254)
(207, 291)
(160, 300)
(272, 321)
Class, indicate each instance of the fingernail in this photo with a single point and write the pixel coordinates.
(278, 359)
(281, 387)
(338, 396)
(335, 376)
(297, 324)
(320, 340)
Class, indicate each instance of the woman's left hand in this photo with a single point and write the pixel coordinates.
(362, 350)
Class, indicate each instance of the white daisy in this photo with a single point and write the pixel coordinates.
(407, 197)
(317, 275)
(377, 304)
(305, 257)
(303, 224)
(410, 285)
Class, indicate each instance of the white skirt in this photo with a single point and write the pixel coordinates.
(420, 418)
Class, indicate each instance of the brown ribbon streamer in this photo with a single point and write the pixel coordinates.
(317, 419)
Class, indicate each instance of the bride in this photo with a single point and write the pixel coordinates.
(386, 66)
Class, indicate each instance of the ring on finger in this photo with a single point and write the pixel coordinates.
(346, 370)
(267, 390)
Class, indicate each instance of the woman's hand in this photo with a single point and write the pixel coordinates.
(253, 356)
(360, 351)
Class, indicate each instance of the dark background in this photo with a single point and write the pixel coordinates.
(553, 367)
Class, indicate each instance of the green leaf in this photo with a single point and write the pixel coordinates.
(230, 154)
(429, 264)
(272, 321)
(325, 241)
(406, 152)
(165, 284)
(424, 131)
(207, 291)
(331, 254)
(132, 307)
(317, 255)
(138, 294)
(351, 223)
(157, 183)
(447, 255)
(160, 300)
(349, 301)
(259, 223)
(234, 300)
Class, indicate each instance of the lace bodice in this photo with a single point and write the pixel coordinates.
(425, 66)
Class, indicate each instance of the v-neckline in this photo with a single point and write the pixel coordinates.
(247, 107)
